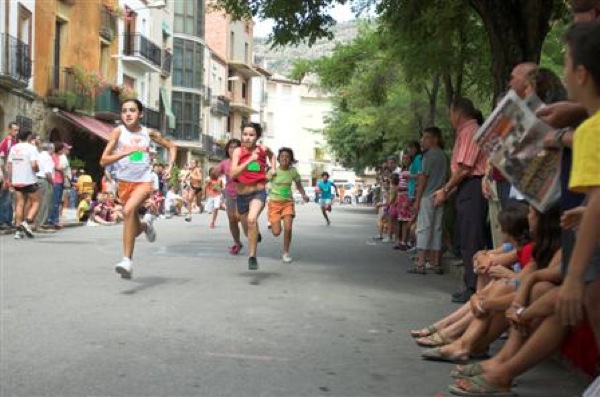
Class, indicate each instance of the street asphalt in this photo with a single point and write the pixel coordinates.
(194, 321)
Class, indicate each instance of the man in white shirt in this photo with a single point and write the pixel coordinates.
(22, 167)
(45, 183)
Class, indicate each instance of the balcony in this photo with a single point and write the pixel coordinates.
(165, 67)
(108, 105)
(15, 62)
(142, 53)
(212, 147)
(220, 106)
(65, 92)
(152, 118)
(108, 23)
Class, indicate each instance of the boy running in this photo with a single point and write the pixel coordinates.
(281, 201)
(129, 147)
(326, 198)
(212, 190)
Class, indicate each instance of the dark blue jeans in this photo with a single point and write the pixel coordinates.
(53, 218)
(6, 207)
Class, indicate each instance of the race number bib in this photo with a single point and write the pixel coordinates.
(136, 157)
(253, 166)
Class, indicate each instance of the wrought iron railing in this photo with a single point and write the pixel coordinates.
(15, 59)
(152, 118)
(65, 91)
(136, 44)
(108, 23)
(167, 59)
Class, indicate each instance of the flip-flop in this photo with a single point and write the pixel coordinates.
(478, 386)
(433, 340)
(435, 354)
(429, 330)
(467, 371)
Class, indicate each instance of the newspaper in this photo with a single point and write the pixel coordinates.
(513, 138)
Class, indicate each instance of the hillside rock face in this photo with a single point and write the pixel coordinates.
(280, 60)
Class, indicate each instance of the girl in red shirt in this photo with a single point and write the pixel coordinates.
(249, 168)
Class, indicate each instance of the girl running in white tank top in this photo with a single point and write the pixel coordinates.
(129, 147)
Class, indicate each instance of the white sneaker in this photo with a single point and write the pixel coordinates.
(125, 268)
(91, 223)
(27, 229)
(286, 258)
(386, 240)
(18, 235)
(150, 232)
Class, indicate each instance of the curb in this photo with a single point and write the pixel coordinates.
(65, 225)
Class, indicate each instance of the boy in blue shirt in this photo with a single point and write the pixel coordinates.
(326, 198)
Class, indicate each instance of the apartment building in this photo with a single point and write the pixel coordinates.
(17, 51)
(293, 114)
(232, 41)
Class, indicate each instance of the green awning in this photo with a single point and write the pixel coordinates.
(164, 95)
(166, 29)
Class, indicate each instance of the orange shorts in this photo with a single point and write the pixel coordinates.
(124, 189)
(280, 209)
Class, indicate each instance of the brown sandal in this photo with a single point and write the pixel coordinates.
(433, 340)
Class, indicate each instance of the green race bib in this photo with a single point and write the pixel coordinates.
(285, 192)
(136, 157)
(253, 166)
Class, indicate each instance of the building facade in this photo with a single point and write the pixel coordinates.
(293, 115)
(232, 41)
(17, 52)
(187, 93)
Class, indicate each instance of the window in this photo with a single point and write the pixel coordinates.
(189, 17)
(244, 89)
(186, 107)
(231, 45)
(104, 58)
(129, 81)
(247, 53)
(25, 123)
(187, 63)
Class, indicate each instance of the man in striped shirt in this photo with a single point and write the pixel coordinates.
(468, 166)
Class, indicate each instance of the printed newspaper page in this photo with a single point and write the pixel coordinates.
(513, 137)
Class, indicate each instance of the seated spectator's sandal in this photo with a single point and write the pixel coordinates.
(436, 354)
(478, 386)
(467, 371)
(434, 340)
(421, 333)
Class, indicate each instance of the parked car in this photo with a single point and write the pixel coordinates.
(310, 192)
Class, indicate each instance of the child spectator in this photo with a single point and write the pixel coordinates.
(84, 207)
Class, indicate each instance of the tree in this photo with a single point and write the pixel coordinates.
(515, 28)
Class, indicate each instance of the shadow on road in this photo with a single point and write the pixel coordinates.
(256, 277)
(149, 282)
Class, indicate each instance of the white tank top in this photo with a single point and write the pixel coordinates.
(136, 167)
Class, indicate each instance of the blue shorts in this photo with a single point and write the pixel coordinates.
(243, 200)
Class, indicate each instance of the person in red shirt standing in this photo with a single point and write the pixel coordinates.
(468, 167)
(6, 195)
(249, 167)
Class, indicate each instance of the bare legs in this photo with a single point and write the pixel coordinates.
(132, 226)
(234, 226)
(287, 232)
(250, 225)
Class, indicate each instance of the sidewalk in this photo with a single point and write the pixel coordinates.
(68, 219)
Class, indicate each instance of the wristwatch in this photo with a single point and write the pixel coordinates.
(520, 311)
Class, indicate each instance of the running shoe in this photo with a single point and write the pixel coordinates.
(259, 238)
(188, 218)
(27, 229)
(125, 268)
(235, 249)
(252, 263)
(286, 258)
(18, 235)
(150, 232)
(328, 222)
